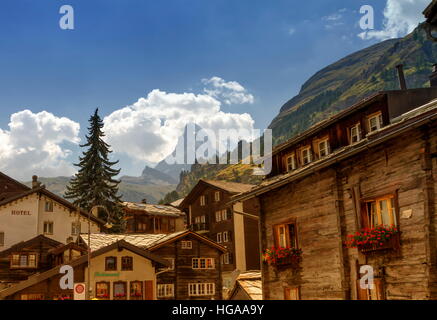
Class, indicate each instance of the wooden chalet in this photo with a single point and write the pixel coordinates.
(248, 286)
(153, 218)
(195, 271)
(373, 165)
(235, 226)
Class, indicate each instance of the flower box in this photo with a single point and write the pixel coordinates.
(375, 239)
(283, 257)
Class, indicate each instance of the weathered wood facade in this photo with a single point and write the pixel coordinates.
(388, 173)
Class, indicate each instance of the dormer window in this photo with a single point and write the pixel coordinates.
(306, 155)
(24, 260)
(375, 122)
(355, 133)
(291, 163)
(323, 148)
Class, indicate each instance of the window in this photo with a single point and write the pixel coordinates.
(355, 133)
(111, 263)
(2, 239)
(218, 216)
(306, 156)
(375, 122)
(224, 215)
(33, 296)
(120, 290)
(323, 148)
(48, 227)
(24, 260)
(291, 293)
(291, 163)
(202, 201)
(203, 263)
(380, 212)
(226, 236)
(217, 196)
(49, 206)
(285, 236)
(172, 264)
(201, 289)
(219, 237)
(187, 244)
(102, 290)
(226, 259)
(136, 290)
(165, 290)
(127, 264)
(75, 228)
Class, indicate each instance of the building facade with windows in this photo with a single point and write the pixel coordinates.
(27, 212)
(195, 264)
(119, 271)
(233, 226)
(358, 189)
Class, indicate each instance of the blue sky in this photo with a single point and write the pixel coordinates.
(121, 50)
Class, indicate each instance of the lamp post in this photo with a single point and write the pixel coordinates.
(107, 225)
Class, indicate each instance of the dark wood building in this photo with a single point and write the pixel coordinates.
(358, 189)
(25, 259)
(234, 226)
(153, 218)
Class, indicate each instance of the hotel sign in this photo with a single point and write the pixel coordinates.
(20, 213)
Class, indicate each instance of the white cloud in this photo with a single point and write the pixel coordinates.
(291, 31)
(333, 17)
(149, 129)
(230, 92)
(400, 18)
(33, 145)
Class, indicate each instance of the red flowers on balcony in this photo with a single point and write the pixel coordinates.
(373, 239)
(282, 256)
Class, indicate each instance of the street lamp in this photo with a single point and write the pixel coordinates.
(108, 225)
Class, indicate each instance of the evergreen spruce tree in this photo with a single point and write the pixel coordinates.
(94, 184)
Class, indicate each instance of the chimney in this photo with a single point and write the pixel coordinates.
(433, 76)
(35, 182)
(144, 201)
(402, 82)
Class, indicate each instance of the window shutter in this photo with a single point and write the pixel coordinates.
(364, 218)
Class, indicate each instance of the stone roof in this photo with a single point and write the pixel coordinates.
(251, 283)
(153, 209)
(177, 202)
(232, 187)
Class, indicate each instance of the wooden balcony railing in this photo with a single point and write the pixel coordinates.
(197, 227)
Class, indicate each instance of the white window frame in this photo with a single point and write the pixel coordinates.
(226, 258)
(219, 237)
(172, 264)
(202, 263)
(356, 127)
(201, 289)
(165, 290)
(308, 149)
(47, 230)
(187, 244)
(217, 196)
(226, 236)
(48, 206)
(218, 216)
(202, 200)
(325, 143)
(224, 214)
(378, 119)
(291, 165)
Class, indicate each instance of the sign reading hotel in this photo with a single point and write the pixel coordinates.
(20, 213)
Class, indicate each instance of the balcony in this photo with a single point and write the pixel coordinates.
(199, 227)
